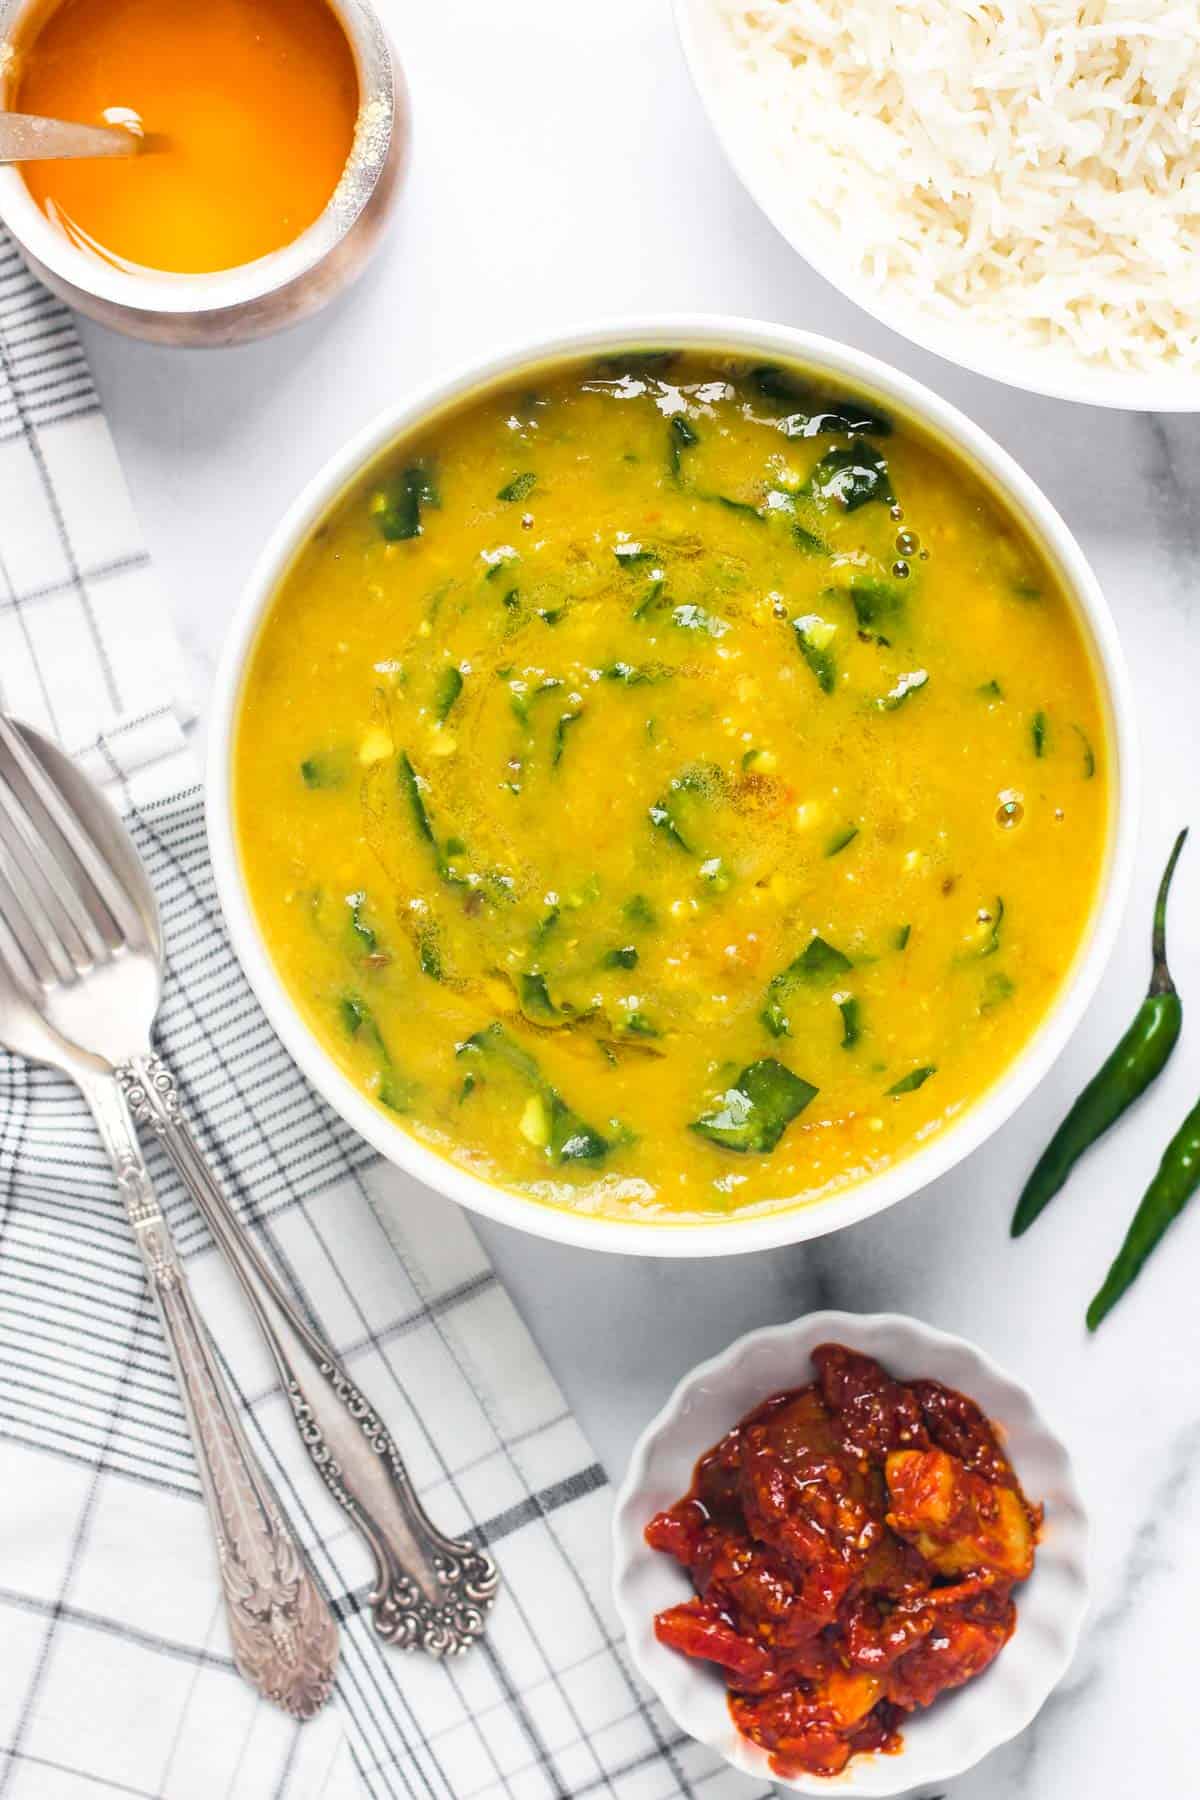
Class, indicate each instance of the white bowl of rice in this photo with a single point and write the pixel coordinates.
(1016, 188)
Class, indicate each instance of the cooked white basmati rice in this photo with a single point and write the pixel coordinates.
(1031, 167)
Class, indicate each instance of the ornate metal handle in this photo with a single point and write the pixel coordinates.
(285, 1639)
(431, 1591)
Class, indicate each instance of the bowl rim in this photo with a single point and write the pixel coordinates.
(1031, 371)
(722, 334)
(629, 1514)
(148, 290)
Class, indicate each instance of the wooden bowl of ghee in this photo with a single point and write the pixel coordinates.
(279, 133)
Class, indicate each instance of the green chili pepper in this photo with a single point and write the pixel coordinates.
(1176, 1181)
(1140, 1056)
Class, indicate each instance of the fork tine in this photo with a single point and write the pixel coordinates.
(13, 967)
(85, 868)
(41, 951)
(21, 794)
(47, 903)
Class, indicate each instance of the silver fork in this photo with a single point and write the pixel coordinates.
(62, 976)
(84, 945)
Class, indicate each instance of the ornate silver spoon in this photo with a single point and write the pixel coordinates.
(432, 1592)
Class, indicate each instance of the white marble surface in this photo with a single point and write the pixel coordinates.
(563, 170)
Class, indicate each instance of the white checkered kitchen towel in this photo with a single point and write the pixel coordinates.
(115, 1669)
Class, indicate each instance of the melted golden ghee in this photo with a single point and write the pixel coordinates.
(251, 104)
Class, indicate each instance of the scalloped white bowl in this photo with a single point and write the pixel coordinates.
(962, 1726)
